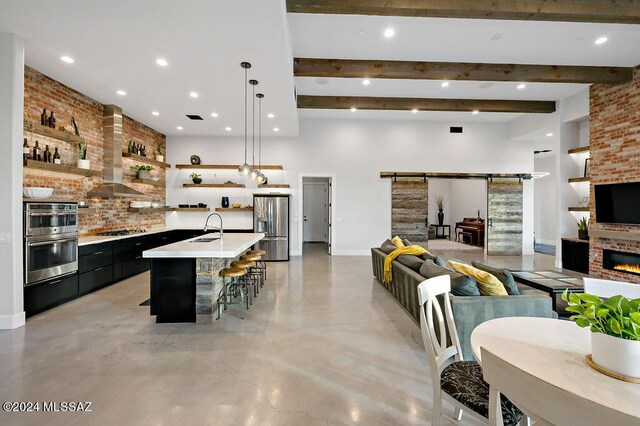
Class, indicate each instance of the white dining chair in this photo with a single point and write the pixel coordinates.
(454, 380)
(608, 288)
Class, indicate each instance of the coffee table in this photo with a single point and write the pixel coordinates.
(551, 282)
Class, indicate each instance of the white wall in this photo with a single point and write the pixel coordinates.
(545, 200)
(439, 187)
(467, 197)
(356, 151)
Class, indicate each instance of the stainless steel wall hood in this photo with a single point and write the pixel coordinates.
(112, 186)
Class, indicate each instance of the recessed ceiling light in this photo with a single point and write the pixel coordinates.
(214, 114)
(414, 111)
(271, 115)
(361, 33)
(549, 135)
(353, 109)
(445, 84)
(228, 129)
(389, 32)
(496, 37)
(67, 59)
(475, 112)
(156, 113)
(121, 92)
(601, 40)
(366, 82)
(193, 94)
(276, 129)
(521, 86)
(162, 62)
(179, 127)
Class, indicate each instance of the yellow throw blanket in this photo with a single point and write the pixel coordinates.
(415, 250)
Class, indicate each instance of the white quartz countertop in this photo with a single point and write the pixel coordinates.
(229, 246)
(95, 239)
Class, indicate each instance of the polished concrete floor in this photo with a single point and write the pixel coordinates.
(323, 344)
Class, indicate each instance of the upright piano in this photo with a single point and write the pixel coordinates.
(473, 228)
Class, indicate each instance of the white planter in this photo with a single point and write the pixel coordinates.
(616, 355)
(144, 174)
(160, 158)
(84, 164)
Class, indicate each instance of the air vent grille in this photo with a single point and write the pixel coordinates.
(194, 117)
(453, 129)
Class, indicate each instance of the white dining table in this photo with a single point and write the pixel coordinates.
(554, 351)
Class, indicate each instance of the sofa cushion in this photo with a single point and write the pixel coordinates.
(442, 262)
(387, 247)
(406, 242)
(461, 285)
(427, 256)
(504, 275)
(411, 261)
(488, 284)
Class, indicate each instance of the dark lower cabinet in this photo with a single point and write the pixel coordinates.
(575, 255)
(93, 280)
(47, 294)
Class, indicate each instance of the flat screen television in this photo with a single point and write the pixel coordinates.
(618, 203)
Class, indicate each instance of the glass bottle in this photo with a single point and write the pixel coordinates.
(52, 121)
(25, 151)
(44, 120)
(130, 147)
(47, 154)
(37, 152)
(56, 157)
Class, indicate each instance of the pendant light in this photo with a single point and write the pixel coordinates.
(245, 169)
(261, 177)
(254, 173)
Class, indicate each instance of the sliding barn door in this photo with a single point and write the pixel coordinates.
(504, 212)
(409, 209)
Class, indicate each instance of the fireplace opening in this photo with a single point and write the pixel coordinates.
(619, 261)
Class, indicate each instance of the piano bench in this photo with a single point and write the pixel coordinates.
(464, 234)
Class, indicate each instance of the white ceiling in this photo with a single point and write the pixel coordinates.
(445, 116)
(115, 44)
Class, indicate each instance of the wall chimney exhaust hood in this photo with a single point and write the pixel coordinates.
(112, 186)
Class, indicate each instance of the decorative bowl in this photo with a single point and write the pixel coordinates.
(146, 204)
(37, 192)
(236, 205)
(136, 204)
(155, 205)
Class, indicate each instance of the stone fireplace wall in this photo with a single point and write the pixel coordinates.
(614, 120)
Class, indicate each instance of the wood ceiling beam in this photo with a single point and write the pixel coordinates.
(417, 70)
(424, 104)
(597, 11)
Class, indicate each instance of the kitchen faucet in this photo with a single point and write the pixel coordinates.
(206, 224)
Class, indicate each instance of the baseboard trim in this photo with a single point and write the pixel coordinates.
(295, 253)
(9, 322)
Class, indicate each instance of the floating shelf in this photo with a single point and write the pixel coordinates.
(149, 209)
(190, 209)
(225, 166)
(213, 185)
(234, 209)
(579, 150)
(59, 168)
(579, 209)
(49, 132)
(274, 185)
(87, 210)
(148, 182)
(146, 160)
(579, 179)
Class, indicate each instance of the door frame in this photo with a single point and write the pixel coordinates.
(332, 208)
(327, 199)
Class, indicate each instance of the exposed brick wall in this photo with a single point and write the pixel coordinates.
(44, 92)
(614, 121)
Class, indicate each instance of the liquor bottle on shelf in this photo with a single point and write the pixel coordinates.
(44, 120)
(56, 157)
(130, 147)
(52, 121)
(139, 152)
(37, 152)
(144, 150)
(25, 151)
(47, 154)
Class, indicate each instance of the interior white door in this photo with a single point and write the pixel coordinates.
(315, 211)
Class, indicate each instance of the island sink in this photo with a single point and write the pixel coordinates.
(205, 240)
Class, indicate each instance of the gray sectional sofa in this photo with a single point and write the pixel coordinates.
(469, 308)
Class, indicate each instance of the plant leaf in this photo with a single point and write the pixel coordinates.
(589, 298)
(583, 322)
(635, 317)
(574, 299)
(601, 312)
(614, 325)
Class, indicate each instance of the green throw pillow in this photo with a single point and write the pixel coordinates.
(461, 285)
(441, 262)
(503, 275)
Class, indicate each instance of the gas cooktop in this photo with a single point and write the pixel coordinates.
(121, 232)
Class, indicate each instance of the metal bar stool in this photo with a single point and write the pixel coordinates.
(256, 271)
(231, 289)
(261, 265)
(250, 279)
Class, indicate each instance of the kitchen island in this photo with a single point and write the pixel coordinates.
(185, 278)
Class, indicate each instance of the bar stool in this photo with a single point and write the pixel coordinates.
(232, 288)
(250, 279)
(259, 272)
(262, 265)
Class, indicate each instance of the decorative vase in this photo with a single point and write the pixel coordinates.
(84, 164)
(583, 234)
(225, 202)
(615, 354)
(144, 174)
(440, 217)
(197, 181)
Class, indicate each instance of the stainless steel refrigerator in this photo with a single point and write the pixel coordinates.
(271, 217)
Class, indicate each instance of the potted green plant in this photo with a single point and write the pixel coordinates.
(196, 178)
(583, 229)
(144, 172)
(83, 163)
(615, 330)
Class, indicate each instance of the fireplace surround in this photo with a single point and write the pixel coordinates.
(621, 261)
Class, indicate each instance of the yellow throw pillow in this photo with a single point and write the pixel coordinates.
(397, 241)
(488, 284)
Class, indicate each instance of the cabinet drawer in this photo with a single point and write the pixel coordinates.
(134, 266)
(93, 248)
(97, 259)
(42, 296)
(95, 279)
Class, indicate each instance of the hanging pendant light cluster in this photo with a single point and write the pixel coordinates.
(245, 169)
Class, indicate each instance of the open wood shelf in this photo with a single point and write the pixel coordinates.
(579, 150)
(213, 185)
(60, 168)
(579, 179)
(149, 209)
(234, 209)
(225, 166)
(49, 132)
(190, 209)
(87, 210)
(274, 185)
(579, 209)
(146, 160)
(148, 182)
